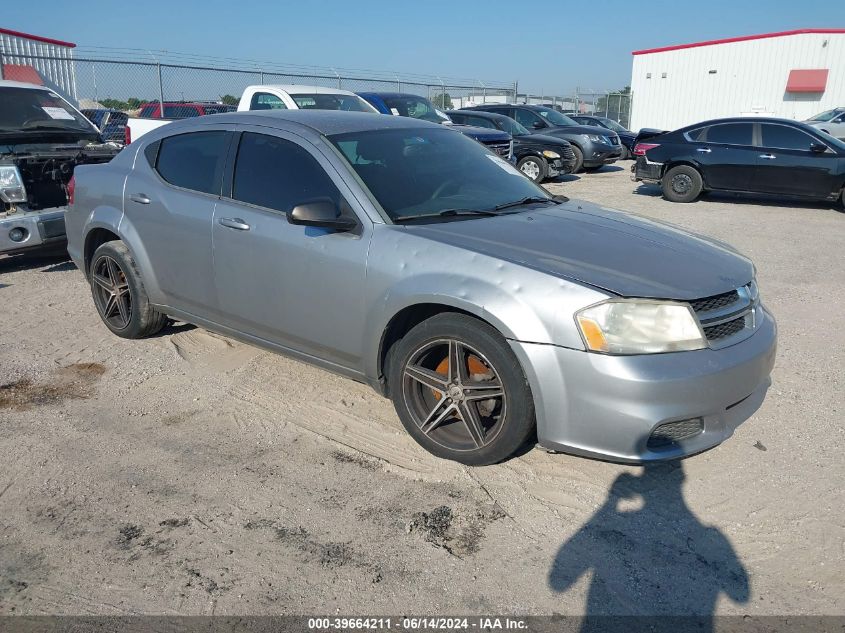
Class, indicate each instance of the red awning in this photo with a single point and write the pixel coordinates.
(807, 80)
(18, 72)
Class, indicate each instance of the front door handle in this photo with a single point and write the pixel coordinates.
(234, 223)
(767, 156)
(140, 198)
(704, 150)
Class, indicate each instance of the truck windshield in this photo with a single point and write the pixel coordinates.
(325, 101)
(35, 110)
(423, 172)
(414, 107)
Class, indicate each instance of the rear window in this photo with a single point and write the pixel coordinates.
(731, 133)
(193, 161)
(327, 101)
(180, 111)
(148, 111)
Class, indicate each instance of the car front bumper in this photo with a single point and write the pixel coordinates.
(42, 229)
(600, 154)
(609, 407)
(560, 166)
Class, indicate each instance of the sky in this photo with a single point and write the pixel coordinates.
(548, 47)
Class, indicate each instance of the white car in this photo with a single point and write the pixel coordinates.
(830, 121)
(274, 97)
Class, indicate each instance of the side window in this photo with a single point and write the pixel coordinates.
(458, 119)
(696, 135)
(481, 122)
(784, 137)
(527, 118)
(194, 160)
(266, 101)
(731, 133)
(840, 119)
(277, 174)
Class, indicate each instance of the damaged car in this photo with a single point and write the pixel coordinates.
(42, 139)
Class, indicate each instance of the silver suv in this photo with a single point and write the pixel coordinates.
(402, 254)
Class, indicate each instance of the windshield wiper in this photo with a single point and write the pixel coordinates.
(526, 200)
(447, 213)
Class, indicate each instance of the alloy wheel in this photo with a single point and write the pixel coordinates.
(454, 395)
(111, 292)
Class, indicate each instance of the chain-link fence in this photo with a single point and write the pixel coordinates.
(125, 81)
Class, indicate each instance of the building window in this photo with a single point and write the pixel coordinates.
(648, 75)
(663, 76)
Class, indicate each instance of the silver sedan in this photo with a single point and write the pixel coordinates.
(402, 254)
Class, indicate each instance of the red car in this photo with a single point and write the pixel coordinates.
(181, 109)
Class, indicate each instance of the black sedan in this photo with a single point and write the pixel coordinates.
(538, 156)
(626, 136)
(758, 155)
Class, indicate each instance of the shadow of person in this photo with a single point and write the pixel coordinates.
(653, 558)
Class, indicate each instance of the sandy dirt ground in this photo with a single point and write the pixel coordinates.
(191, 474)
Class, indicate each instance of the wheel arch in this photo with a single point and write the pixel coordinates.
(94, 238)
(689, 163)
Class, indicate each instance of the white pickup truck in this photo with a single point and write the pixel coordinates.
(274, 97)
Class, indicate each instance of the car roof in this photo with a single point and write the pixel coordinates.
(391, 95)
(7, 83)
(299, 89)
(744, 119)
(481, 113)
(325, 122)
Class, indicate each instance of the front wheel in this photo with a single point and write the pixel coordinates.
(682, 184)
(459, 390)
(535, 168)
(579, 159)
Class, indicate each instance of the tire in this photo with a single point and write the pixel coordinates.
(682, 184)
(454, 423)
(579, 159)
(534, 168)
(119, 294)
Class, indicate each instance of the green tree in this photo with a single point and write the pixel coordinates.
(229, 100)
(442, 101)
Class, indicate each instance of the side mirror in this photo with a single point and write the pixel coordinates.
(538, 125)
(818, 148)
(323, 213)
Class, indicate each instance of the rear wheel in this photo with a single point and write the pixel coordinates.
(119, 294)
(459, 390)
(579, 159)
(682, 184)
(535, 168)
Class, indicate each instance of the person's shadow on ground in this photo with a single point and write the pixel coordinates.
(655, 559)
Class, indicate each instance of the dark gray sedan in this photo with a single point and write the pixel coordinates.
(402, 254)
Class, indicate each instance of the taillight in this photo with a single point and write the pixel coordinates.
(641, 148)
(127, 135)
(71, 189)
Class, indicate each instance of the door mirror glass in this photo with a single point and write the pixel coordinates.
(818, 148)
(538, 125)
(323, 213)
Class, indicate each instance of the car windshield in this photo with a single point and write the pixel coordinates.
(829, 139)
(827, 116)
(25, 109)
(554, 117)
(613, 125)
(423, 172)
(331, 101)
(415, 108)
(514, 128)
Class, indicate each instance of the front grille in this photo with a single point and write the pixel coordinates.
(501, 148)
(716, 302)
(566, 152)
(724, 330)
(669, 434)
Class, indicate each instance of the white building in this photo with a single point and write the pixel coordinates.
(38, 60)
(793, 74)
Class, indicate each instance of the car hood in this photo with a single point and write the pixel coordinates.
(580, 129)
(620, 253)
(542, 139)
(481, 133)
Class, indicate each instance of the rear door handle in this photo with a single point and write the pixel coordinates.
(704, 150)
(234, 223)
(140, 198)
(767, 156)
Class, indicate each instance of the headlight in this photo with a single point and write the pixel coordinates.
(596, 138)
(550, 154)
(639, 326)
(11, 184)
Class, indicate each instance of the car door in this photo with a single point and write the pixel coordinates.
(788, 165)
(169, 202)
(295, 286)
(530, 119)
(726, 154)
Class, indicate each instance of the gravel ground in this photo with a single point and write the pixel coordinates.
(191, 474)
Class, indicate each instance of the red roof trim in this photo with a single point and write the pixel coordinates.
(38, 38)
(743, 38)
